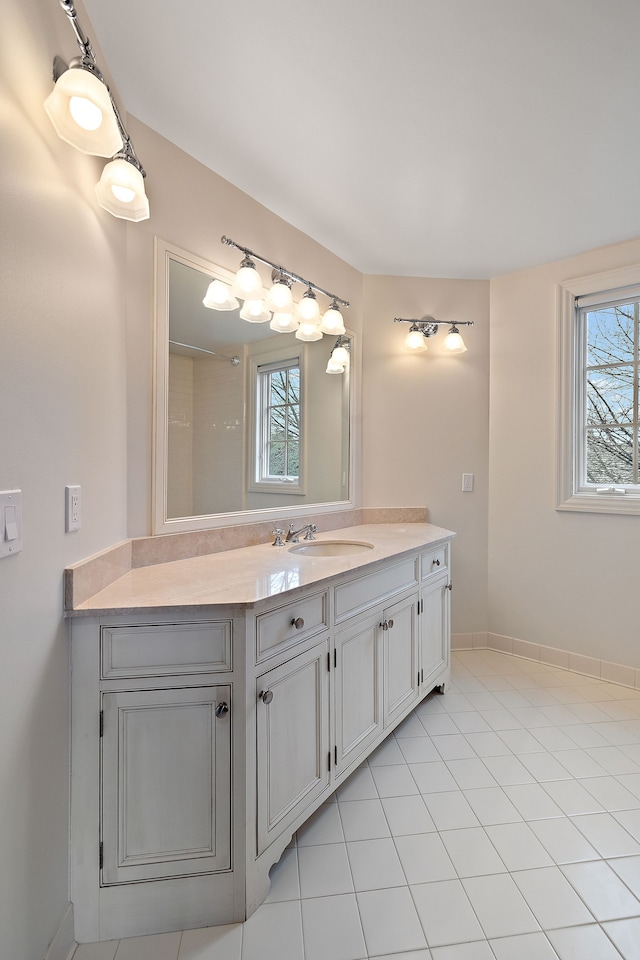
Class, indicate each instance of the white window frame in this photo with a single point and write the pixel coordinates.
(571, 494)
(256, 482)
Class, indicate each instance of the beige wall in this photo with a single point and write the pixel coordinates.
(566, 580)
(425, 421)
(63, 402)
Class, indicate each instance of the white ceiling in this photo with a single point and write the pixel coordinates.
(439, 138)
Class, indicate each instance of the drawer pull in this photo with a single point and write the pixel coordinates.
(266, 696)
(436, 562)
(221, 709)
(298, 623)
(387, 624)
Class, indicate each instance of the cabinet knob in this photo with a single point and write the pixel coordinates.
(221, 709)
(436, 562)
(266, 696)
(298, 623)
(387, 624)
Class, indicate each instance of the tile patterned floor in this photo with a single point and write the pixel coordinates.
(499, 822)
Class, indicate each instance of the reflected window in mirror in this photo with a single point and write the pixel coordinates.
(279, 438)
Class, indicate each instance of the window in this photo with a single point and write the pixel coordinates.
(599, 429)
(278, 419)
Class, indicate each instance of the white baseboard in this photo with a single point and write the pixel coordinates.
(63, 945)
(551, 656)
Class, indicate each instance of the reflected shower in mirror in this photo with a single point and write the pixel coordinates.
(248, 421)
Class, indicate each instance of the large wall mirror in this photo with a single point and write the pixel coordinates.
(248, 423)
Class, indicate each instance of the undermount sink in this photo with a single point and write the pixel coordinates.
(331, 548)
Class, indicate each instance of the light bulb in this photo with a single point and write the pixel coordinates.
(308, 310)
(284, 322)
(86, 114)
(308, 332)
(415, 341)
(333, 367)
(247, 283)
(120, 191)
(279, 298)
(255, 311)
(454, 342)
(219, 297)
(332, 321)
(341, 355)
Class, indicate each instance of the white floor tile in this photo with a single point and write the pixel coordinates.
(456, 703)
(626, 936)
(491, 805)
(575, 943)
(390, 921)
(508, 769)
(605, 834)
(450, 810)
(526, 946)
(520, 741)
(477, 950)
(411, 727)
(274, 930)
(543, 766)
(437, 723)
(552, 738)
(418, 749)
(499, 905)
(394, 781)
(453, 746)
(610, 793)
(628, 869)
(532, 801)
(446, 913)
(470, 722)
(285, 884)
(212, 943)
(359, 786)
(572, 798)
(518, 846)
(488, 744)
(105, 950)
(563, 841)
(631, 782)
(432, 777)
(424, 858)
(324, 826)
(472, 773)
(386, 754)
(472, 852)
(604, 893)
(375, 864)
(406, 815)
(332, 928)
(551, 897)
(579, 763)
(613, 760)
(363, 820)
(324, 870)
(162, 946)
(630, 820)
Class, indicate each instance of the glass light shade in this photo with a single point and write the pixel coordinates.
(279, 298)
(120, 191)
(219, 297)
(284, 322)
(454, 342)
(247, 283)
(415, 341)
(308, 332)
(333, 367)
(340, 355)
(255, 311)
(80, 110)
(308, 310)
(332, 322)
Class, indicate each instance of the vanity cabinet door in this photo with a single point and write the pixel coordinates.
(357, 689)
(166, 783)
(400, 651)
(434, 630)
(292, 740)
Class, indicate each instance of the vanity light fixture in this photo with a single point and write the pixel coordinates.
(421, 330)
(219, 297)
(84, 114)
(340, 356)
(305, 319)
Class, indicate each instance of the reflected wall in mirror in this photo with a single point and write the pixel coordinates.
(248, 423)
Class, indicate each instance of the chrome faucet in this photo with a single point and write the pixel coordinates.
(293, 536)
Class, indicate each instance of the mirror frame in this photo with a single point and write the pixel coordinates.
(164, 252)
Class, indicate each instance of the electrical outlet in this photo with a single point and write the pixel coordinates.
(72, 508)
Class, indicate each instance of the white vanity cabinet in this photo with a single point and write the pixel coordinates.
(203, 738)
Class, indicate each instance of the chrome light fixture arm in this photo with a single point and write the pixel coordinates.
(428, 326)
(282, 271)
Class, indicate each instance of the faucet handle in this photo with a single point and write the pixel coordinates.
(278, 542)
(312, 528)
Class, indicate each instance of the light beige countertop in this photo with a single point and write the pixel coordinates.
(247, 575)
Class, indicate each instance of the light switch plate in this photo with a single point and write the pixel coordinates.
(10, 522)
(467, 483)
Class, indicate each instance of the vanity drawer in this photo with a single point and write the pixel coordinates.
(287, 625)
(364, 592)
(434, 561)
(166, 649)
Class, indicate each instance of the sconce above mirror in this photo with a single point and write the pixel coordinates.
(248, 425)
